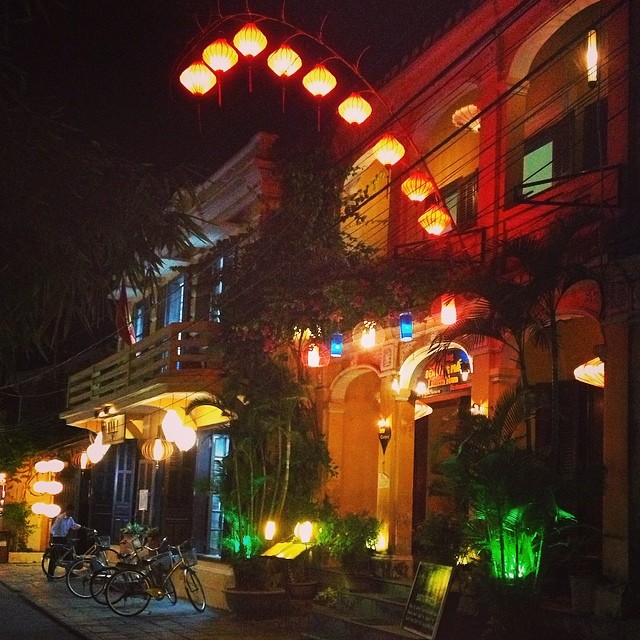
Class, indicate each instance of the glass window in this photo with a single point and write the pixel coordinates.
(176, 300)
(219, 450)
(461, 200)
(141, 320)
(538, 169)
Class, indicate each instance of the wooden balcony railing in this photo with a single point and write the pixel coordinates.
(176, 351)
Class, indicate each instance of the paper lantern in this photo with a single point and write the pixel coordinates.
(269, 530)
(591, 372)
(52, 510)
(157, 449)
(388, 150)
(96, 450)
(417, 186)
(80, 460)
(185, 438)
(250, 41)
(49, 466)
(467, 117)
(38, 508)
(319, 81)
(354, 109)
(448, 311)
(198, 78)
(303, 531)
(313, 356)
(171, 424)
(368, 336)
(435, 219)
(406, 326)
(52, 487)
(220, 55)
(336, 345)
(284, 61)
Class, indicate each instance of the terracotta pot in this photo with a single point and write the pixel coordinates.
(256, 605)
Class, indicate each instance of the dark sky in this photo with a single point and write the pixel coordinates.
(113, 64)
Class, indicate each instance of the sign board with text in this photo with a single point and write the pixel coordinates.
(425, 605)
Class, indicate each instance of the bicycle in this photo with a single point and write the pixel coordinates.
(101, 574)
(66, 555)
(129, 590)
(79, 573)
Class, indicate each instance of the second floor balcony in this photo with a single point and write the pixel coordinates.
(180, 358)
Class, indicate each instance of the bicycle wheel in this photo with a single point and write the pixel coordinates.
(127, 592)
(194, 590)
(98, 583)
(78, 577)
(171, 590)
(63, 561)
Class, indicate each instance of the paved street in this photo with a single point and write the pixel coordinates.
(80, 618)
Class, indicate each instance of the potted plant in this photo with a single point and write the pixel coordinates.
(350, 539)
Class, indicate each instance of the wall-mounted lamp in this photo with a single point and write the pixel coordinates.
(465, 370)
(384, 433)
(592, 58)
(421, 388)
(475, 409)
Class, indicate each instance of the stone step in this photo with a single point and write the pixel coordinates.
(372, 606)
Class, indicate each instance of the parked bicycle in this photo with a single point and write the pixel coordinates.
(99, 576)
(66, 555)
(80, 572)
(129, 590)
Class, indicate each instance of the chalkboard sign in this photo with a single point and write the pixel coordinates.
(426, 600)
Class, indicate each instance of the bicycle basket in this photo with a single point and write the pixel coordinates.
(161, 565)
(189, 556)
(104, 541)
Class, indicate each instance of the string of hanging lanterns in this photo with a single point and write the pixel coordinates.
(220, 56)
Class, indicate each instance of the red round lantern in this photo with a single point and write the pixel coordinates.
(284, 61)
(435, 219)
(388, 150)
(198, 78)
(319, 81)
(250, 41)
(354, 109)
(220, 55)
(417, 186)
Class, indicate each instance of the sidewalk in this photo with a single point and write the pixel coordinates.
(92, 621)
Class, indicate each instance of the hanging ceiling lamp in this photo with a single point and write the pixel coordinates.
(250, 41)
(388, 150)
(198, 79)
(417, 186)
(220, 56)
(448, 311)
(354, 109)
(467, 116)
(435, 219)
(368, 336)
(591, 372)
(336, 347)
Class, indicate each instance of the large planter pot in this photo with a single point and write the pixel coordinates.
(256, 605)
(302, 590)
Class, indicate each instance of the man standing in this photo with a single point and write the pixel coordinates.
(59, 532)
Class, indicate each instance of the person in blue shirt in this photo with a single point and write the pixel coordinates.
(62, 525)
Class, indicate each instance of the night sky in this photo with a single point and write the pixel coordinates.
(112, 65)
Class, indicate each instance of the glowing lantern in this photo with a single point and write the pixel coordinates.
(185, 438)
(80, 460)
(313, 356)
(96, 451)
(336, 345)
(448, 312)
(52, 510)
(388, 150)
(319, 81)
(198, 78)
(38, 508)
(592, 58)
(171, 425)
(49, 466)
(220, 55)
(435, 219)
(157, 449)
(354, 109)
(417, 186)
(303, 531)
(269, 530)
(250, 41)
(368, 337)
(284, 61)
(421, 388)
(406, 326)
(395, 384)
(52, 488)
(591, 372)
